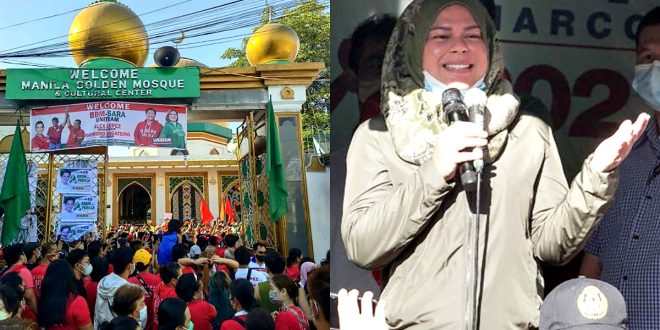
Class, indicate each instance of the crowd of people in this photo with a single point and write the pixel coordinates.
(161, 278)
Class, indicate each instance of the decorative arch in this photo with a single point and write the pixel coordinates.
(185, 200)
(214, 151)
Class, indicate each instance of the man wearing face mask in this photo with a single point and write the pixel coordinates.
(122, 263)
(79, 261)
(624, 251)
(257, 262)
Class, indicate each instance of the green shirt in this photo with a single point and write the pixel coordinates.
(175, 132)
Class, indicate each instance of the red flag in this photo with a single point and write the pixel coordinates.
(207, 216)
(229, 211)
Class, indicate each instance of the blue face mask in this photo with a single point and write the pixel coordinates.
(647, 83)
(434, 85)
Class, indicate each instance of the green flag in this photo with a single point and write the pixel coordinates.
(15, 193)
(275, 170)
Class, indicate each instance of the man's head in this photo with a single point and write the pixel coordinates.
(648, 37)
(64, 177)
(275, 263)
(121, 260)
(55, 121)
(142, 259)
(68, 204)
(170, 273)
(242, 255)
(318, 285)
(64, 232)
(13, 254)
(49, 251)
(368, 45)
(76, 123)
(259, 251)
(32, 251)
(647, 71)
(231, 240)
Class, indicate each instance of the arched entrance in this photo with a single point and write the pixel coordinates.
(134, 204)
(185, 201)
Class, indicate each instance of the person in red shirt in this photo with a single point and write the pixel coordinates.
(242, 301)
(283, 292)
(76, 134)
(99, 270)
(50, 253)
(169, 274)
(55, 135)
(293, 264)
(62, 308)
(201, 312)
(146, 280)
(15, 257)
(147, 130)
(40, 142)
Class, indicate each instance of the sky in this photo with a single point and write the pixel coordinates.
(14, 12)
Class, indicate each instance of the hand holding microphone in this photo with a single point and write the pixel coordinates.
(456, 144)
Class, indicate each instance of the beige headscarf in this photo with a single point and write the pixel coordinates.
(413, 115)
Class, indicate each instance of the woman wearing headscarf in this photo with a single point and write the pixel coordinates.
(405, 210)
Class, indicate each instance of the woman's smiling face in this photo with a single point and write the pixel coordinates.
(455, 50)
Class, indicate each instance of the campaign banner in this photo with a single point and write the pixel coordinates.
(74, 231)
(108, 123)
(77, 180)
(79, 208)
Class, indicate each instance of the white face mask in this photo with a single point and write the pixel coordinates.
(143, 317)
(434, 85)
(87, 270)
(4, 315)
(647, 83)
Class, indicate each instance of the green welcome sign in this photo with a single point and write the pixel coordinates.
(102, 79)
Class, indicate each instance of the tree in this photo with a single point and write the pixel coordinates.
(311, 20)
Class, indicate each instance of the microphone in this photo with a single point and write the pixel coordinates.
(475, 99)
(455, 110)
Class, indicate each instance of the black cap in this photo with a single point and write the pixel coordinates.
(584, 303)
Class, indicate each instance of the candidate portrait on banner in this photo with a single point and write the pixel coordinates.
(79, 208)
(147, 130)
(173, 134)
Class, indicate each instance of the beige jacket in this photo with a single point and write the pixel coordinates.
(405, 218)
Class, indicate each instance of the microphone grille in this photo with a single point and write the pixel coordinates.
(451, 95)
(475, 96)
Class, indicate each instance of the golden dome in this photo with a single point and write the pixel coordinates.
(272, 42)
(107, 28)
(183, 62)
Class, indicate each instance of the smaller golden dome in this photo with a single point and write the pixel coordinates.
(272, 43)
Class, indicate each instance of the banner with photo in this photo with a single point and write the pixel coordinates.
(79, 208)
(77, 178)
(71, 231)
(108, 123)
